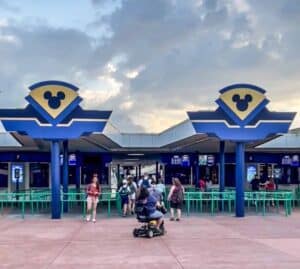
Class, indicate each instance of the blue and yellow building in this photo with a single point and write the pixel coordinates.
(54, 143)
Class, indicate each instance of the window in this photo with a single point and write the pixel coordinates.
(3, 175)
(39, 175)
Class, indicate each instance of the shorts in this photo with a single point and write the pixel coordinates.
(176, 205)
(132, 196)
(156, 215)
(92, 199)
(124, 200)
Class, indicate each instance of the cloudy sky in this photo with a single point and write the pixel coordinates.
(150, 61)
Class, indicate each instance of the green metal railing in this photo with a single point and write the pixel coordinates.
(38, 201)
(260, 200)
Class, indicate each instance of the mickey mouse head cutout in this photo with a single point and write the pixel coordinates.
(54, 101)
(242, 103)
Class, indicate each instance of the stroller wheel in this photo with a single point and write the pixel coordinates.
(150, 233)
(135, 232)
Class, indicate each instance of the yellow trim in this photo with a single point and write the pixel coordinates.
(257, 98)
(38, 95)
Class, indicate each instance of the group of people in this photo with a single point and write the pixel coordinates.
(132, 191)
(146, 190)
(257, 184)
(205, 184)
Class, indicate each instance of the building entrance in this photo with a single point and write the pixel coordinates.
(121, 170)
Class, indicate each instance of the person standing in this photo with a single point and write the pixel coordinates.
(176, 197)
(255, 183)
(160, 187)
(124, 192)
(93, 192)
(145, 182)
(202, 184)
(132, 195)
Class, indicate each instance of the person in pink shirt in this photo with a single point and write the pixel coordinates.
(93, 192)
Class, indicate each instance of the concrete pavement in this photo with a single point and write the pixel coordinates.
(196, 242)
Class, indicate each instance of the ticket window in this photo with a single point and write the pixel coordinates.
(17, 177)
(39, 175)
(3, 175)
(209, 173)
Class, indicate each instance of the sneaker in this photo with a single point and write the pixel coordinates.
(94, 220)
(171, 219)
(124, 215)
(177, 219)
(88, 219)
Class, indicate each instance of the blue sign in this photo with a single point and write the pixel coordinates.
(72, 160)
(295, 160)
(241, 116)
(210, 160)
(286, 160)
(53, 112)
(185, 160)
(176, 160)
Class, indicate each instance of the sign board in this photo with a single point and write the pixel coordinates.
(17, 173)
(53, 112)
(251, 172)
(241, 116)
(202, 159)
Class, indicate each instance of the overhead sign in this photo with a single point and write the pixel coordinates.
(202, 160)
(286, 160)
(53, 101)
(72, 160)
(54, 112)
(210, 160)
(242, 103)
(185, 160)
(241, 116)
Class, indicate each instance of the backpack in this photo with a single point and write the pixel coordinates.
(132, 188)
(124, 191)
(140, 209)
(145, 184)
(177, 196)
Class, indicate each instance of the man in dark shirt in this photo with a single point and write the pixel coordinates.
(255, 183)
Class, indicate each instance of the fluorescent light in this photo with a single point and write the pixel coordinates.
(135, 154)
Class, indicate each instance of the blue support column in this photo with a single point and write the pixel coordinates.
(222, 166)
(55, 180)
(78, 172)
(197, 174)
(239, 179)
(65, 175)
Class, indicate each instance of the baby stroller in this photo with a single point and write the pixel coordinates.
(149, 225)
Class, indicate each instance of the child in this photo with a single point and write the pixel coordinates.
(124, 192)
